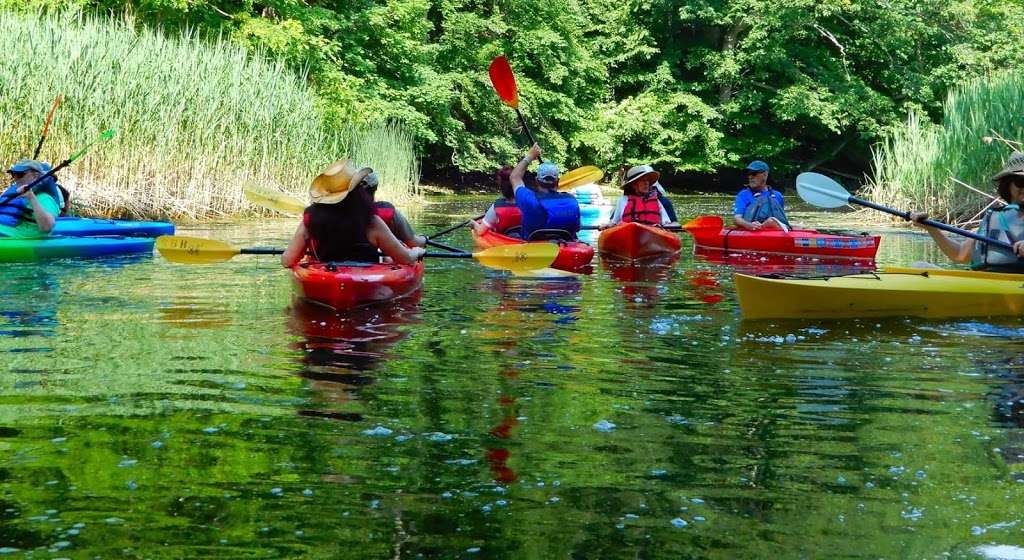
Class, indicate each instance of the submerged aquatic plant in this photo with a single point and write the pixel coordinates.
(915, 167)
(196, 119)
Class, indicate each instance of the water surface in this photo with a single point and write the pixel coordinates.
(168, 411)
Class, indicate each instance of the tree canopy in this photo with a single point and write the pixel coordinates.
(688, 86)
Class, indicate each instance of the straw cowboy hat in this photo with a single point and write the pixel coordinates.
(334, 184)
(1014, 166)
(638, 171)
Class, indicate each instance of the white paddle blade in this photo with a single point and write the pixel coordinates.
(821, 191)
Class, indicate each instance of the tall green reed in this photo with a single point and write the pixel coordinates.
(915, 165)
(197, 120)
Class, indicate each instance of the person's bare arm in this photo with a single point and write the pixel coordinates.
(381, 237)
(519, 171)
(296, 247)
(956, 251)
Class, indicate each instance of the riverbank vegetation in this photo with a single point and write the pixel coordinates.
(196, 120)
(688, 86)
(926, 166)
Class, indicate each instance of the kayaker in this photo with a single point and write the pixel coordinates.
(394, 218)
(31, 213)
(640, 200)
(547, 213)
(341, 224)
(1004, 224)
(503, 216)
(759, 206)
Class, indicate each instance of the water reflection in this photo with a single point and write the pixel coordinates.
(339, 348)
(643, 282)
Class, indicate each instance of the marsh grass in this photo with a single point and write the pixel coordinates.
(915, 166)
(196, 119)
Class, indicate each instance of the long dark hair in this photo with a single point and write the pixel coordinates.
(504, 177)
(336, 227)
(1003, 187)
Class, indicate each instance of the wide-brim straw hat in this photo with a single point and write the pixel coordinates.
(638, 171)
(1014, 166)
(334, 184)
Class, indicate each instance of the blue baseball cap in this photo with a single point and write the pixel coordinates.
(547, 174)
(29, 165)
(758, 166)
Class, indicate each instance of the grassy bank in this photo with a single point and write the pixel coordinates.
(915, 166)
(196, 120)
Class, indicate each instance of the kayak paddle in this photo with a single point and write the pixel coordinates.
(823, 192)
(287, 204)
(46, 124)
(579, 176)
(196, 250)
(107, 135)
(274, 200)
(504, 83)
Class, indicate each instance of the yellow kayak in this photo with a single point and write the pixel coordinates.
(918, 292)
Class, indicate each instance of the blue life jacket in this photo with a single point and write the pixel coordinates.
(1005, 224)
(14, 211)
(562, 212)
(765, 206)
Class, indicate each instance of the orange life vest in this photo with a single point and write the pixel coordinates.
(509, 215)
(644, 210)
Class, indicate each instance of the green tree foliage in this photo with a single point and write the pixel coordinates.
(692, 85)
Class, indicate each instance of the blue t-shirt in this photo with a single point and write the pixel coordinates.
(746, 197)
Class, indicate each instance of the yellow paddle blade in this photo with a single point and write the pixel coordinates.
(194, 250)
(579, 176)
(274, 200)
(518, 256)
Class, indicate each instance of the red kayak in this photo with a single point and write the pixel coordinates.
(631, 240)
(572, 255)
(708, 233)
(348, 285)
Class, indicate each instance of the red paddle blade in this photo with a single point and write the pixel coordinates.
(504, 81)
(704, 222)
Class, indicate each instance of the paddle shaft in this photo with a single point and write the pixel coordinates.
(933, 223)
(666, 228)
(38, 180)
(522, 121)
(46, 125)
(108, 134)
(275, 251)
(445, 247)
(455, 227)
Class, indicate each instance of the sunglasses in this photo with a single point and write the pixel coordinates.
(18, 174)
(752, 173)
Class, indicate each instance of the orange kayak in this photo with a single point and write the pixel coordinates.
(631, 240)
(348, 285)
(572, 255)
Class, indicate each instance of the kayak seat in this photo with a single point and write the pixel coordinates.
(513, 232)
(551, 235)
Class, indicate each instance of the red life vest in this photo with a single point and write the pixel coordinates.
(386, 211)
(509, 215)
(644, 210)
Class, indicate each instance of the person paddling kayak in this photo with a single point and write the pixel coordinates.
(547, 213)
(1005, 224)
(394, 218)
(503, 216)
(341, 224)
(641, 200)
(759, 206)
(29, 213)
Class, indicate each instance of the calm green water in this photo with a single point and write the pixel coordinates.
(167, 411)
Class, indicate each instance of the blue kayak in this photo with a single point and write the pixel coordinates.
(13, 249)
(91, 227)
